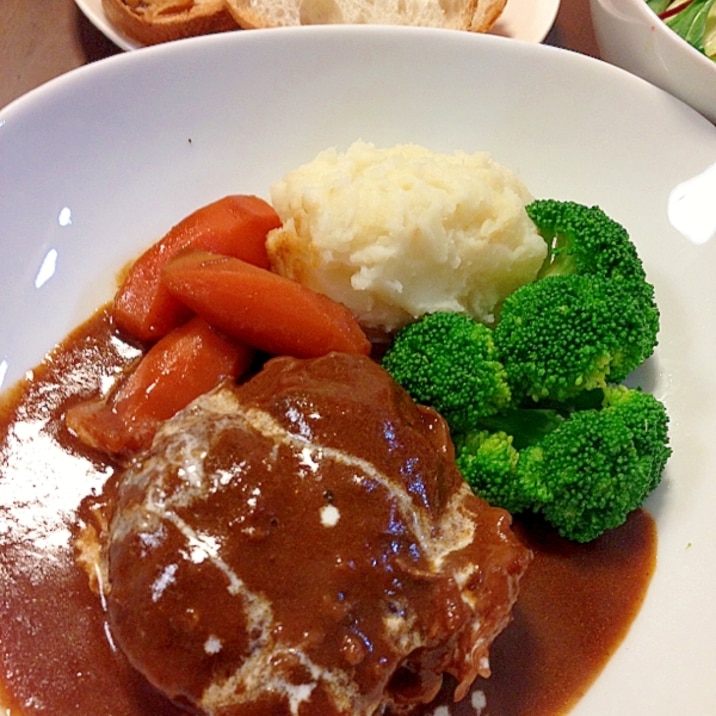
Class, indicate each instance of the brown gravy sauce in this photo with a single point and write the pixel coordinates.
(56, 659)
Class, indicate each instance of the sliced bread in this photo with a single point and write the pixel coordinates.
(153, 21)
(474, 15)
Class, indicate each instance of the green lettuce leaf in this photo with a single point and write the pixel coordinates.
(710, 32)
(690, 23)
(658, 6)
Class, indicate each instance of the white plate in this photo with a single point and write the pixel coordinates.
(99, 162)
(529, 20)
(94, 12)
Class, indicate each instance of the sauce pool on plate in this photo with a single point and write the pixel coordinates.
(57, 657)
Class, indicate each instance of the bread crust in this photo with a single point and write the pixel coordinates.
(486, 14)
(154, 21)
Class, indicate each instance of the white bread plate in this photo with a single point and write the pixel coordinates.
(529, 20)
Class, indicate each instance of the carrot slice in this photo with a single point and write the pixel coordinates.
(186, 363)
(261, 308)
(235, 225)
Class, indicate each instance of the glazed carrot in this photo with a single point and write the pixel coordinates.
(187, 362)
(235, 225)
(261, 308)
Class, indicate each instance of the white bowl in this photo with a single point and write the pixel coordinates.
(99, 162)
(630, 35)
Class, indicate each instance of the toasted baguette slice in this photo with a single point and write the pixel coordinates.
(154, 21)
(474, 15)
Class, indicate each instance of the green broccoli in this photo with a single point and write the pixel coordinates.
(538, 418)
(584, 240)
(562, 335)
(448, 361)
(585, 472)
(488, 462)
(590, 317)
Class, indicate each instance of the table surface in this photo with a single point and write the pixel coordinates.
(40, 39)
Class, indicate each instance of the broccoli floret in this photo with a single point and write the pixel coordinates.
(586, 474)
(584, 240)
(448, 361)
(488, 456)
(488, 462)
(590, 317)
(562, 335)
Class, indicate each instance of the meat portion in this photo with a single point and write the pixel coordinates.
(304, 544)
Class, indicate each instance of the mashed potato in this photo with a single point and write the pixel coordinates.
(396, 233)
